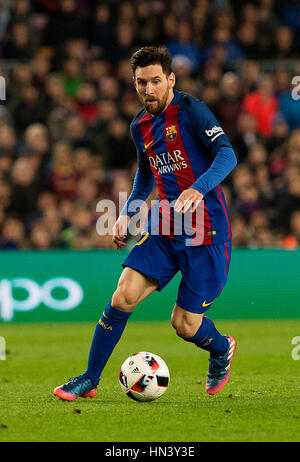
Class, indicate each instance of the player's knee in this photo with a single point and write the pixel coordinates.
(124, 299)
(184, 327)
(185, 331)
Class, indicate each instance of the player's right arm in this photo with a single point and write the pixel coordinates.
(120, 231)
(142, 187)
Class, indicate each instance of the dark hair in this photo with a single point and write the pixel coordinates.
(152, 55)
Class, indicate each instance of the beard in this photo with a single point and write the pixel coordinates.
(156, 106)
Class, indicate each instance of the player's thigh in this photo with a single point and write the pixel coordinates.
(152, 257)
(133, 287)
(185, 322)
(204, 274)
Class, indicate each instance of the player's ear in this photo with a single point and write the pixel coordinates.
(172, 80)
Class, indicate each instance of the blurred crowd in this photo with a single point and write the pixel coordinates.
(64, 126)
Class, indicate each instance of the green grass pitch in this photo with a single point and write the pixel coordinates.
(259, 403)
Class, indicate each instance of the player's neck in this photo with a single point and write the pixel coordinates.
(171, 96)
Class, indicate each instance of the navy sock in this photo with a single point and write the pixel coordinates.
(107, 334)
(209, 338)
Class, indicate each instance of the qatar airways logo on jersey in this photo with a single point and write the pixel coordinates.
(166, 162)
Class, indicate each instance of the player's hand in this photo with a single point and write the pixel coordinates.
(120, 231)
(189, 199)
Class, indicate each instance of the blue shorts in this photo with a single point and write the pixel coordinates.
(204, 268)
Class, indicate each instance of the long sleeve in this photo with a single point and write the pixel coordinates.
(222, 165)
(142, 185)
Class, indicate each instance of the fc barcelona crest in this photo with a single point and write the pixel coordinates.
(171, 132)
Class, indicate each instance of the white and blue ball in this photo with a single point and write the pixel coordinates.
(144, 376)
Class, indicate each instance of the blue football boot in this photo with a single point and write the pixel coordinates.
(76, 387)
(219, 369)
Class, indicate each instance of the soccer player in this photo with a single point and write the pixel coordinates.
(180, 147)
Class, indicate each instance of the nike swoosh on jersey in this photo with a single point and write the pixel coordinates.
(148, 144)
(206, 304)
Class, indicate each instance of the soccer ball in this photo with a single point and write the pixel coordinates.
(144, 376)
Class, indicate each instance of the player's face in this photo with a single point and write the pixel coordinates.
(154, 88)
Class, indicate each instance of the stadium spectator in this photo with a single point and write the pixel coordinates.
(184, 46)
(13, 234)
(229, 103)
(25, 187)
(81, 223)
(29, 109)
(119, 145)
(72, 75)
(76, 132)
(5, 15)
(63, 24)
(86, 99)
(247, 35)
(8, 141)
(283, 46)
(124, 41)
(36, 137)
(17, 45)
(5, 197)
(101, 27)
(289, 202)
(245, 135)
(41, 66)
(224, 44)
(40, 238)
(263, 104)
(62, 173)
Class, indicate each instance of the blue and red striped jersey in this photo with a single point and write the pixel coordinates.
(181, 148)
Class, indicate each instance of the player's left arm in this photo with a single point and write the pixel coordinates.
(208, 131)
